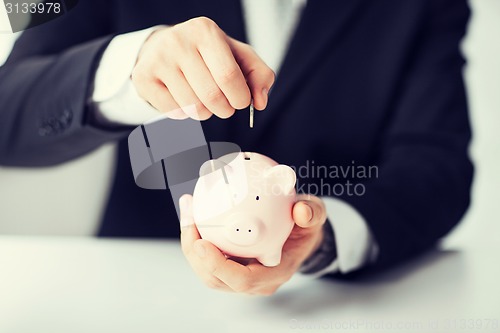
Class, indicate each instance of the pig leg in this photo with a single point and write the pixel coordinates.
(270, 259)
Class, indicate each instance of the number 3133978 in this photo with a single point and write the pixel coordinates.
(33, 8)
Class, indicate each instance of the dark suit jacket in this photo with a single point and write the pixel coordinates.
(373, 83)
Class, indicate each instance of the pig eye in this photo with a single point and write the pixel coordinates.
(257, 198)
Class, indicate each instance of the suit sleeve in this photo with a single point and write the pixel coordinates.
(424, 179)
(45, 87)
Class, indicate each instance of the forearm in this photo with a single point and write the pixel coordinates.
(45, 88)
(420, 194)
(422, 189)
(44, 103)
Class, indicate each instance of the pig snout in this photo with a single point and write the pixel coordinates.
(244, 230)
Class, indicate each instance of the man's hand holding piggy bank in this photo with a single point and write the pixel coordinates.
(245, 206)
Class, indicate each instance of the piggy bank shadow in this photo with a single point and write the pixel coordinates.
(436, 271)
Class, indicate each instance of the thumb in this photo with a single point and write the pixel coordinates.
(186, 210)
(310, 212)
(259, 76)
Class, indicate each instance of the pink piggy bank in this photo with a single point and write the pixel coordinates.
(242, 203)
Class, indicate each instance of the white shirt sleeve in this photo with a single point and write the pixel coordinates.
(354, 241)
(115, 97)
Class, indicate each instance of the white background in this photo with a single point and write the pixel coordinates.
(68, 199)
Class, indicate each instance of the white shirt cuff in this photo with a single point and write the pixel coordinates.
(354, 241)
(115, 97)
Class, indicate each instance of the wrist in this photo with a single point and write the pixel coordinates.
(115, 102)
(319, 241)
(325, 251)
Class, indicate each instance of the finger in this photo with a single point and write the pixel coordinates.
(225, 70)
(206, 89)
(186, 210)
(177, 114)
(214, 283)
(196, 259)
(189, 232)
(258, 75)
(309, 212)
(183, 94)
(189, 237)
(241, 278)
(302, 213)
(233, 274)
(156, 94)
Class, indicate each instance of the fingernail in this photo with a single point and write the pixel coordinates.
(199, 249)
(265, 93)
(184, 211)
(309, 212)
(184, 203)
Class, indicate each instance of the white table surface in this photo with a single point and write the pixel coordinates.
(70, 285)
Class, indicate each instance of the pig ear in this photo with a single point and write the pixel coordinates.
(281, 178)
